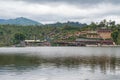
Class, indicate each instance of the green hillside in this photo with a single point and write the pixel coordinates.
(62, 33)
(19, 21)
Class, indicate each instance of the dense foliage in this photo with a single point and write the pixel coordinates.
(18, 37)
(12, 34)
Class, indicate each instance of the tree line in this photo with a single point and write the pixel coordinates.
(13, 34)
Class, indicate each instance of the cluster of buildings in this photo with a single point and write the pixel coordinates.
(101, 33)
(101, 37)
(98, 38)
(34, 43)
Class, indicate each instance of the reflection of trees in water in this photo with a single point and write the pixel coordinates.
(103, 62)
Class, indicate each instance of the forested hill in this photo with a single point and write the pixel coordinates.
(75, 24)
(19, 21)
(52, 33)
(27, 22)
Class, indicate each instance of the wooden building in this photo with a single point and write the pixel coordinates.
(36, 43)
(105, 33)
(92, 34)
(97, 42)
(84, 42)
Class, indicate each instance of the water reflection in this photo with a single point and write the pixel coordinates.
(24, 62)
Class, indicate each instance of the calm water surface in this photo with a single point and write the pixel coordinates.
(60, 63)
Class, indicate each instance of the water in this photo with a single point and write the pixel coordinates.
(60, 63)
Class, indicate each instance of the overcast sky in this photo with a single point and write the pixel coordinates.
(50, 11)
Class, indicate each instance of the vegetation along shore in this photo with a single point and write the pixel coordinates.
(104, 33)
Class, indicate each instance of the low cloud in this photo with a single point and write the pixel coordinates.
(61, 10)
(91, 2)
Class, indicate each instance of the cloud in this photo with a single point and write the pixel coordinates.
(61, 10)
(72, 1)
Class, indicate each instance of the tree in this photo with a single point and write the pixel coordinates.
(19, 37)
(112, 23)
(118, 39)
(115, 36)
(93, 25)
(103, 23)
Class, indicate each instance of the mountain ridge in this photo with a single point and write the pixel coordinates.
(26, 22)
(69, 23)
(19, 21)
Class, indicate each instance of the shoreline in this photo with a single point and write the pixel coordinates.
(103, 46)
(61, 46)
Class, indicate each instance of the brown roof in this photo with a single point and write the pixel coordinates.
(104, 30)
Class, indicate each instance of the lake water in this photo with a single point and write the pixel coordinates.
(60, 63)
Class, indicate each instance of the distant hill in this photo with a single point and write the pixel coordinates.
(20, 21)
(73, 24)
